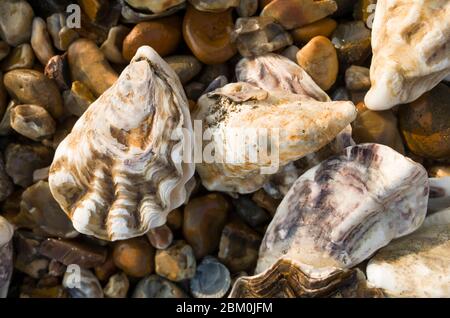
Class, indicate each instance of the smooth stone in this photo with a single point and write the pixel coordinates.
(160, 237)
(89, 65)
(21, 56)
(157, 287)
(379, 127)
(352, 42)
(357, 78)
(28, 260)
(113, 45)
(16, 17)
(439, 171)
(22, 159)
(293, 14)
(186, 66)
(175, 219)
(58, 70)
(33, 87)
(32, 121)
(40, 41)
(134, 256)
(319, 59)
(304, 34)
(417, 265)
(155, 6)
(291, 52)
(163, 35)
(82, 284)
(259, 35)
(239, 247)
(214, 5)
(78, 98)
(61, 34)
(96, 10)
(131, 15)
(6, 186)
(107, 269)
(250, 212)
(41, 213)
(5, 123)
(176, 263)
(265, 201)
(218, 82)
(425, 123)
(208, 35)
(73, 252)
(4, 50)
(247, 8)
(204, 219)
(211, 280)
(117, 286)
(194, 90)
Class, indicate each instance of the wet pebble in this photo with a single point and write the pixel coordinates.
(78, 98)
(352, 42)
(117, 286)
(208, 35)
(32, 121)
(16, 17)
(57, 69)
(33, 87)
(134, 256)
(186, 66)
(21, 56)
(155, 286)
(5, 123)
(41, 42)
(357, 78)
(304, 34)
(176, 263)
(204, 219)
(112, 47)
(82, 283)
(160, 237)
(211, 280)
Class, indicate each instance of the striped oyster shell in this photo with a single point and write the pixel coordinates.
(411, 50)
(120, 171)
(6, 255)
(302, 126)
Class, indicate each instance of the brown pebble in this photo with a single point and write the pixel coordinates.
(32, 121)
(175, 219)
(57, 69)
(107, 269)
(265, 201)
(176, 263)
(324, 27)
(134, 256)
(160, 237)
(21, 56)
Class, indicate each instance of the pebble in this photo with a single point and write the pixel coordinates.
(377, 127)
(113, 45)
(160, 237)
(319, 59)
(247, 8)
(107, 269)
(32, 121)
(56, 269)
(211, 72)
(175, 219)
(194, 90)
(155, 286)
(58, 70)
(352, 42)
(439, 171)
(4, 49)
(211, 280)
(16, 17)
(33, 87)
(41, 213)
(425, 123)
(293, 14)
(100, 10)
(291, 52)
(5, 123)
(239, 246)
(357, 78)
(204, 219)
(43, 292)
(208, 35)
(89, 65)
(82, 284)
(27, 257)
(6, 186)
(61, 34)
(21, 56)
(259, 35)
(186, 66)
(73, 252)
(22, 159)
(163, 35)
(323, 27)
(176, 263)
(250, 212)
(134, 256)
(40, 41)
(155, 6)
(78, 98)
(3, 96)
(265, 201)
(117, 286)
(214, 5)
(218, 82)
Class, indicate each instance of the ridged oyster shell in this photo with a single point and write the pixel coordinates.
(301, 125)
(411, 50)
(6, 255)
(120, 171)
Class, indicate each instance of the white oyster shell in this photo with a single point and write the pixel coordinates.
(6, 255)
(411, 50)
(239, 115)
(120, 171)
(417, 265)
(340, 212)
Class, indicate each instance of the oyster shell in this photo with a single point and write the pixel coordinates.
(242, 119)
(6, 255)
(120, 171)
(413, 59)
